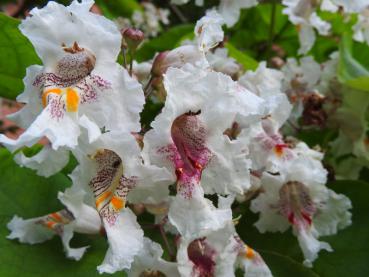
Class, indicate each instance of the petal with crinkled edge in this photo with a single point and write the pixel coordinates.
(197, 216)
(47, 162)
(149, 260)
(125, 239)
(79, 24)
(220, 102)
(209, 31)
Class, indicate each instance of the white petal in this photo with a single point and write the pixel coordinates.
(150, 259)
(209, 30)
(196, 217)
(231, 9)
(28, 231)
(79, 25)
(72, 253)
(310, 246)
(47, 162)
(125, 242)
(87, 219)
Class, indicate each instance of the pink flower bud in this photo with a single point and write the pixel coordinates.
(132, 37)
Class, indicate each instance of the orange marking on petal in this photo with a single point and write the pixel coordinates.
(50, 224)
(56, 217)
(278, 149)
(250, 253)
(72, 100)
(46, 93)
(117, 202)
(102, 197)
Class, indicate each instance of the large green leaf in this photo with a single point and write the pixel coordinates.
(351, 250)
(24, 193)
(167, 41)
(124, 8)
(350, 71)
(247, 62)
(16, 54)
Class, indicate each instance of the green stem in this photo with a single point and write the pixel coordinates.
(124, 58)
(131, 55)
(271, 27)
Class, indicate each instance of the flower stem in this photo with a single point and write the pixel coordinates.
(166, 242)
(271, 26)
(131, 55)
(124, 58)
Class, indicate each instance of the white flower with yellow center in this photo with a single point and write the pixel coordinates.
(80, 85)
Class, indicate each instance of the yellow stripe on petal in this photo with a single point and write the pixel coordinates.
(102, 198)
(117, 203)
(72, 100)
(46, 94)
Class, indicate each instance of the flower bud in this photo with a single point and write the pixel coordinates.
(132, 38)
(175, 58)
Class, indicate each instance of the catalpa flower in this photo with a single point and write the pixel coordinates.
(188, 139)
(80, 86)
(76, 217)
(297, 197)
(110, 169)
(219, 252)
(303, 14)
(188, 135)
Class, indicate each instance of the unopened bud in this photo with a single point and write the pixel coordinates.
(175, 58)
(132, 38)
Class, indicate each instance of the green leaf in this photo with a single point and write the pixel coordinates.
(167, 41)
(351, 252)
(124, 8)
(24, 193)
(350, 71)
(16, 54)
(247, 62)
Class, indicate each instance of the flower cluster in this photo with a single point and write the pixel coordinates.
(216, 142)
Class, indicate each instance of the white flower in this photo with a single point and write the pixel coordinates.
(219, 252)
(297, 197)
(221, 62)
(361, 28)
(76, 217)
(187, 137)
(303, 14)
(230, 9)
(47, 162)
(208, 30)
(182, 2)
(79, 86)
(110, 169)
(351, 6)
(267, 83)
(149, 261)
(150, 20)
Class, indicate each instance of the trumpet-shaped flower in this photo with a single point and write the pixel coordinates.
(76, 217)
(79, 86)
(297, 197)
